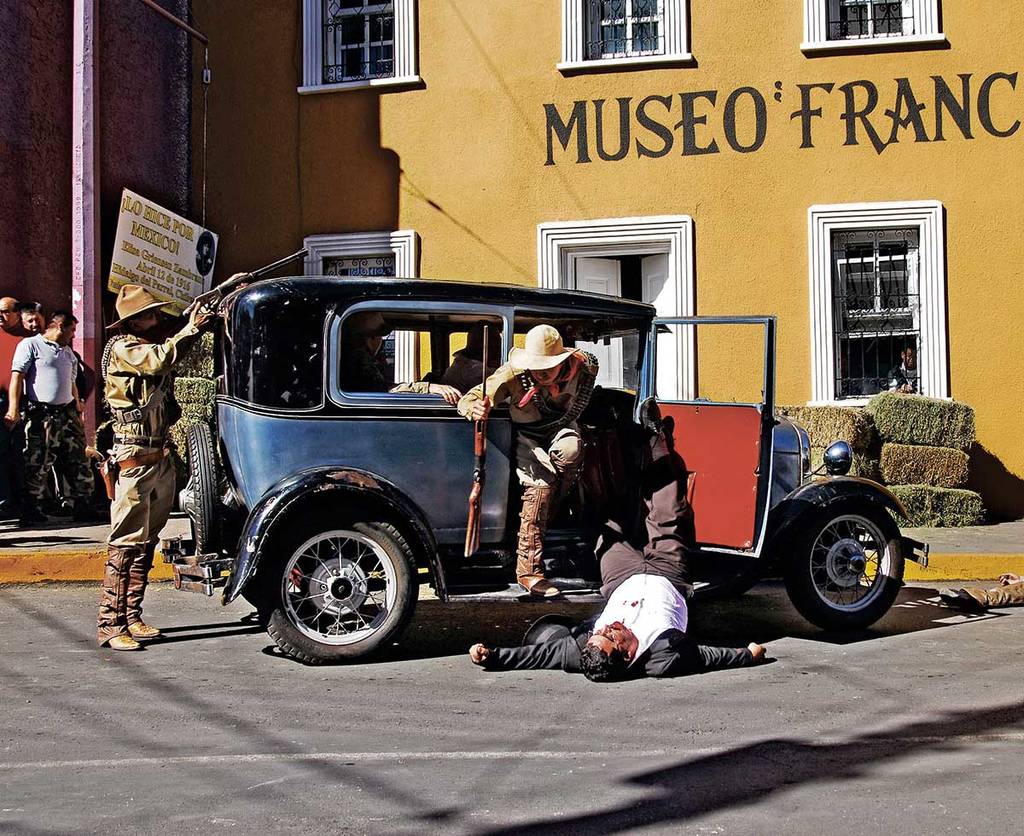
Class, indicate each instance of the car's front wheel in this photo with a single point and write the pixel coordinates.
(846, 568)
(340, 592)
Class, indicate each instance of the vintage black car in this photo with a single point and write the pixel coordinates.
(327, 505)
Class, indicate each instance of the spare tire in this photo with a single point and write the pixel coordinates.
(202, 493)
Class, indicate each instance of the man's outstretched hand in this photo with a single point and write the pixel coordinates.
(478, 654)
(757, 651)
(1008, 578)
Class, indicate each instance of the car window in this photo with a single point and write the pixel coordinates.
(405, 352)
(617, 342)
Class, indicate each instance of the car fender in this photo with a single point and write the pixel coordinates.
(788, 515)
(287, 494)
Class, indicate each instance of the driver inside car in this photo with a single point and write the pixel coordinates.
(364, 368)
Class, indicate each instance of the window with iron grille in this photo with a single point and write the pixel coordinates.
(624, 28)
(358, 43)
(837, 24)
(358, 40)
(877, 287)
(876, 308)
(599, 34)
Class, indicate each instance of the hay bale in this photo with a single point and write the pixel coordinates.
(914, 419)
(942, 467)
(195, 390)
(864, 465)
(198, 361)
(826, 424)
(941, 507)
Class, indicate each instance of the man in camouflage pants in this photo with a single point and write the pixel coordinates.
(138, 390)
(44, 369)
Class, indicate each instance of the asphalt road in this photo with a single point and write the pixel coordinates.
(914, 727)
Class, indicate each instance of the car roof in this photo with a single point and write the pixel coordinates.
(335, 289)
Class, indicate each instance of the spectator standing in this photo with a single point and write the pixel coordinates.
(12, 440)
(32, 320)
(44, 368)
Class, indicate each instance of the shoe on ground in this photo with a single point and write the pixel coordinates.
(962, 600)
(142, 631)
(32, 517)
(123, 642)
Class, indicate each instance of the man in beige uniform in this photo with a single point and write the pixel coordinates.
(138, 390)
(547, 387)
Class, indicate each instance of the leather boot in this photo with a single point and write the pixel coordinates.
(532, 525)
(112, 620)
(138, 579)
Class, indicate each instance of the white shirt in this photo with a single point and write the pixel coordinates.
(648, 605)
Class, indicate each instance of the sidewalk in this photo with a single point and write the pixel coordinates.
(62, 551)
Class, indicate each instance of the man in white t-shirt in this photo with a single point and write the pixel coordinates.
(642, 629)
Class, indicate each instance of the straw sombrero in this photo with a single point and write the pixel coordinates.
(132, 299)
(544, 350)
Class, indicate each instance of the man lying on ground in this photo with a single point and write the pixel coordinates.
(1009, 593)
(642, 629)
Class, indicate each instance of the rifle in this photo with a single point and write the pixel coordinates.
(479, 468)
(212, 298)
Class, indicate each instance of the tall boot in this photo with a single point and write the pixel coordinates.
(533, 521)
(138, 579)
(112, 621)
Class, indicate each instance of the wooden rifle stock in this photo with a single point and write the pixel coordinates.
(479, 468)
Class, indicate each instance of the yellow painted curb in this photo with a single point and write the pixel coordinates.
(964, 567)
(76, 565)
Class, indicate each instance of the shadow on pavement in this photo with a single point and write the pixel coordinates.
(748, 775)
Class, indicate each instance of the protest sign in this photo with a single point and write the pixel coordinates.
(165, 253)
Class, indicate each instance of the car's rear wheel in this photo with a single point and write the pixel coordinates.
(846, 568)
(340, 591)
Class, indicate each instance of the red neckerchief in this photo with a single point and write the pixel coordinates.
(566, 373)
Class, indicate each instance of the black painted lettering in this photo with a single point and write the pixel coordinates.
(657, 128)
(624, 134)
(906, 113)
(760, 119)
(959, 110)
(852, 115)
(985, 104)
(806, 112)
(564, 130)
(690, 121)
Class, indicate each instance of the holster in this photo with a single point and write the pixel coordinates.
(108, 470)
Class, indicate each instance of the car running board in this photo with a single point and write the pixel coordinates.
(202, 573)
(514, 593)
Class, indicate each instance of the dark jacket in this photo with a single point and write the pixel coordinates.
(673, 653)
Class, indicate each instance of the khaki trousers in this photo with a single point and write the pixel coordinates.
(1011, 595)
(142, 503)
(542, 462)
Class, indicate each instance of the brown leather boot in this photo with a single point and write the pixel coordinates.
(532, 525)
(112, 620)
(138, 579)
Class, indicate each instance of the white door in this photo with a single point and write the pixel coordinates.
(602, 275)
(661, 293)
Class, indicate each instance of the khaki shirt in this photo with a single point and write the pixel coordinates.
(506, 384)
(134, 370)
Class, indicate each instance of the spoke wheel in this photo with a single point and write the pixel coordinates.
(847, 569)
(340, 594)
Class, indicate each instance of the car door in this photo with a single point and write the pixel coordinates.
(719, 411)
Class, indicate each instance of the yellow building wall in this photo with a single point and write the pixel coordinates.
(460, 159)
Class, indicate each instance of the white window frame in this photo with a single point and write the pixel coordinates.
(927, 217)
(560, 243)
(576, 31)
(925, 14)
(403, 243)
(405, 58)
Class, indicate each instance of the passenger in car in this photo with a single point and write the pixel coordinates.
(547, 387)
(364, 368)
(467, 368)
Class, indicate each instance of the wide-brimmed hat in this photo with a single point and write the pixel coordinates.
(133, 299)
(544, 350)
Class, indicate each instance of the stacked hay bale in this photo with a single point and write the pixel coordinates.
(924, 457)
(825, 424)
(194, 389)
